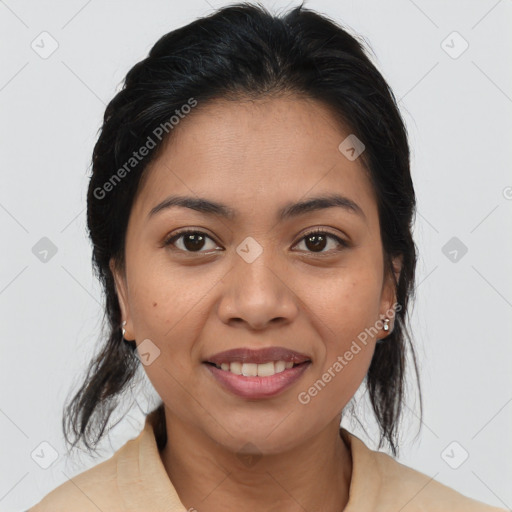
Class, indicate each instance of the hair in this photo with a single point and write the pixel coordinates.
(244, 51)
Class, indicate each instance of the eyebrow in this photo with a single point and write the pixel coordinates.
(288, 211)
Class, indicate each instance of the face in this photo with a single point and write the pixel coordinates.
(308, 284)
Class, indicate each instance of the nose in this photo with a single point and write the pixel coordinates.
(257, 294)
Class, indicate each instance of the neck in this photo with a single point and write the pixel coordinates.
(207, 477)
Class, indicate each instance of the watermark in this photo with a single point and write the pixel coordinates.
(151, 141)
(351, 147)
(147, 352)
(44, 250)
(44, 45)
(454, 249)
(249, 249)
(304, 397)
(454, 45)
(455, 455)
(249, 455)
(44, 455)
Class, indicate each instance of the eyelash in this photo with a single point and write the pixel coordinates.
(170, 241)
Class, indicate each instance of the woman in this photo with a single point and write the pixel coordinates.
(250, 208)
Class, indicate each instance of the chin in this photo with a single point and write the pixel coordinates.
(269, 435)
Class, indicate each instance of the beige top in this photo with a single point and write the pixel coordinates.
(134, 479)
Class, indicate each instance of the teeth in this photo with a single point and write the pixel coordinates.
(235, 368)
(253, 369)
(250, 369)
(279, 366)
(266, 369)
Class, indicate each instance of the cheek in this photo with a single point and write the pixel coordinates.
(330, 390)
(168, 312)
(170, 307)
(347, 350)
(166, 303)
(348, 301)
(345, 308)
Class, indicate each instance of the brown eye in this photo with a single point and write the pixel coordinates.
(317, 241)
(190, 241)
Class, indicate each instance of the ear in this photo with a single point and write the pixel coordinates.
(122, 297)
(388, 295)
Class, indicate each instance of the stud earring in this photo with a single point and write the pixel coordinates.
(386, 324)
(123, 330)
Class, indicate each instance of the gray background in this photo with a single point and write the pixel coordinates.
(457, 106)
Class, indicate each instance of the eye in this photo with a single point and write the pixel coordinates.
(316, 241)
(194, 241)
(190, 241)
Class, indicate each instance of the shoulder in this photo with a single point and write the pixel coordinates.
(133, 478)
(398, 487)
(92, 490)
(421, 492)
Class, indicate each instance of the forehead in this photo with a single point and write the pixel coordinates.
(255, 155)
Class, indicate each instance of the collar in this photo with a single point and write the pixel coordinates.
(366, 480)
(140, 468)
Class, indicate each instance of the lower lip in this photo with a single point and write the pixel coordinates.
(258, 387)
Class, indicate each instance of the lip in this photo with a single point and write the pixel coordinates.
(259, 356)
(257, 387)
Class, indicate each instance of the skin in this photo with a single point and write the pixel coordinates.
(255, 156)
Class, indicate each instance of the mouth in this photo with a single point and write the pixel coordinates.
(266, 369)
(256, 374)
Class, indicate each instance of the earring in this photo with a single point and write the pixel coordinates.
(123, 330)
(386, 324)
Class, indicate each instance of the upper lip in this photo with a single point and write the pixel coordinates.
(262, 355)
